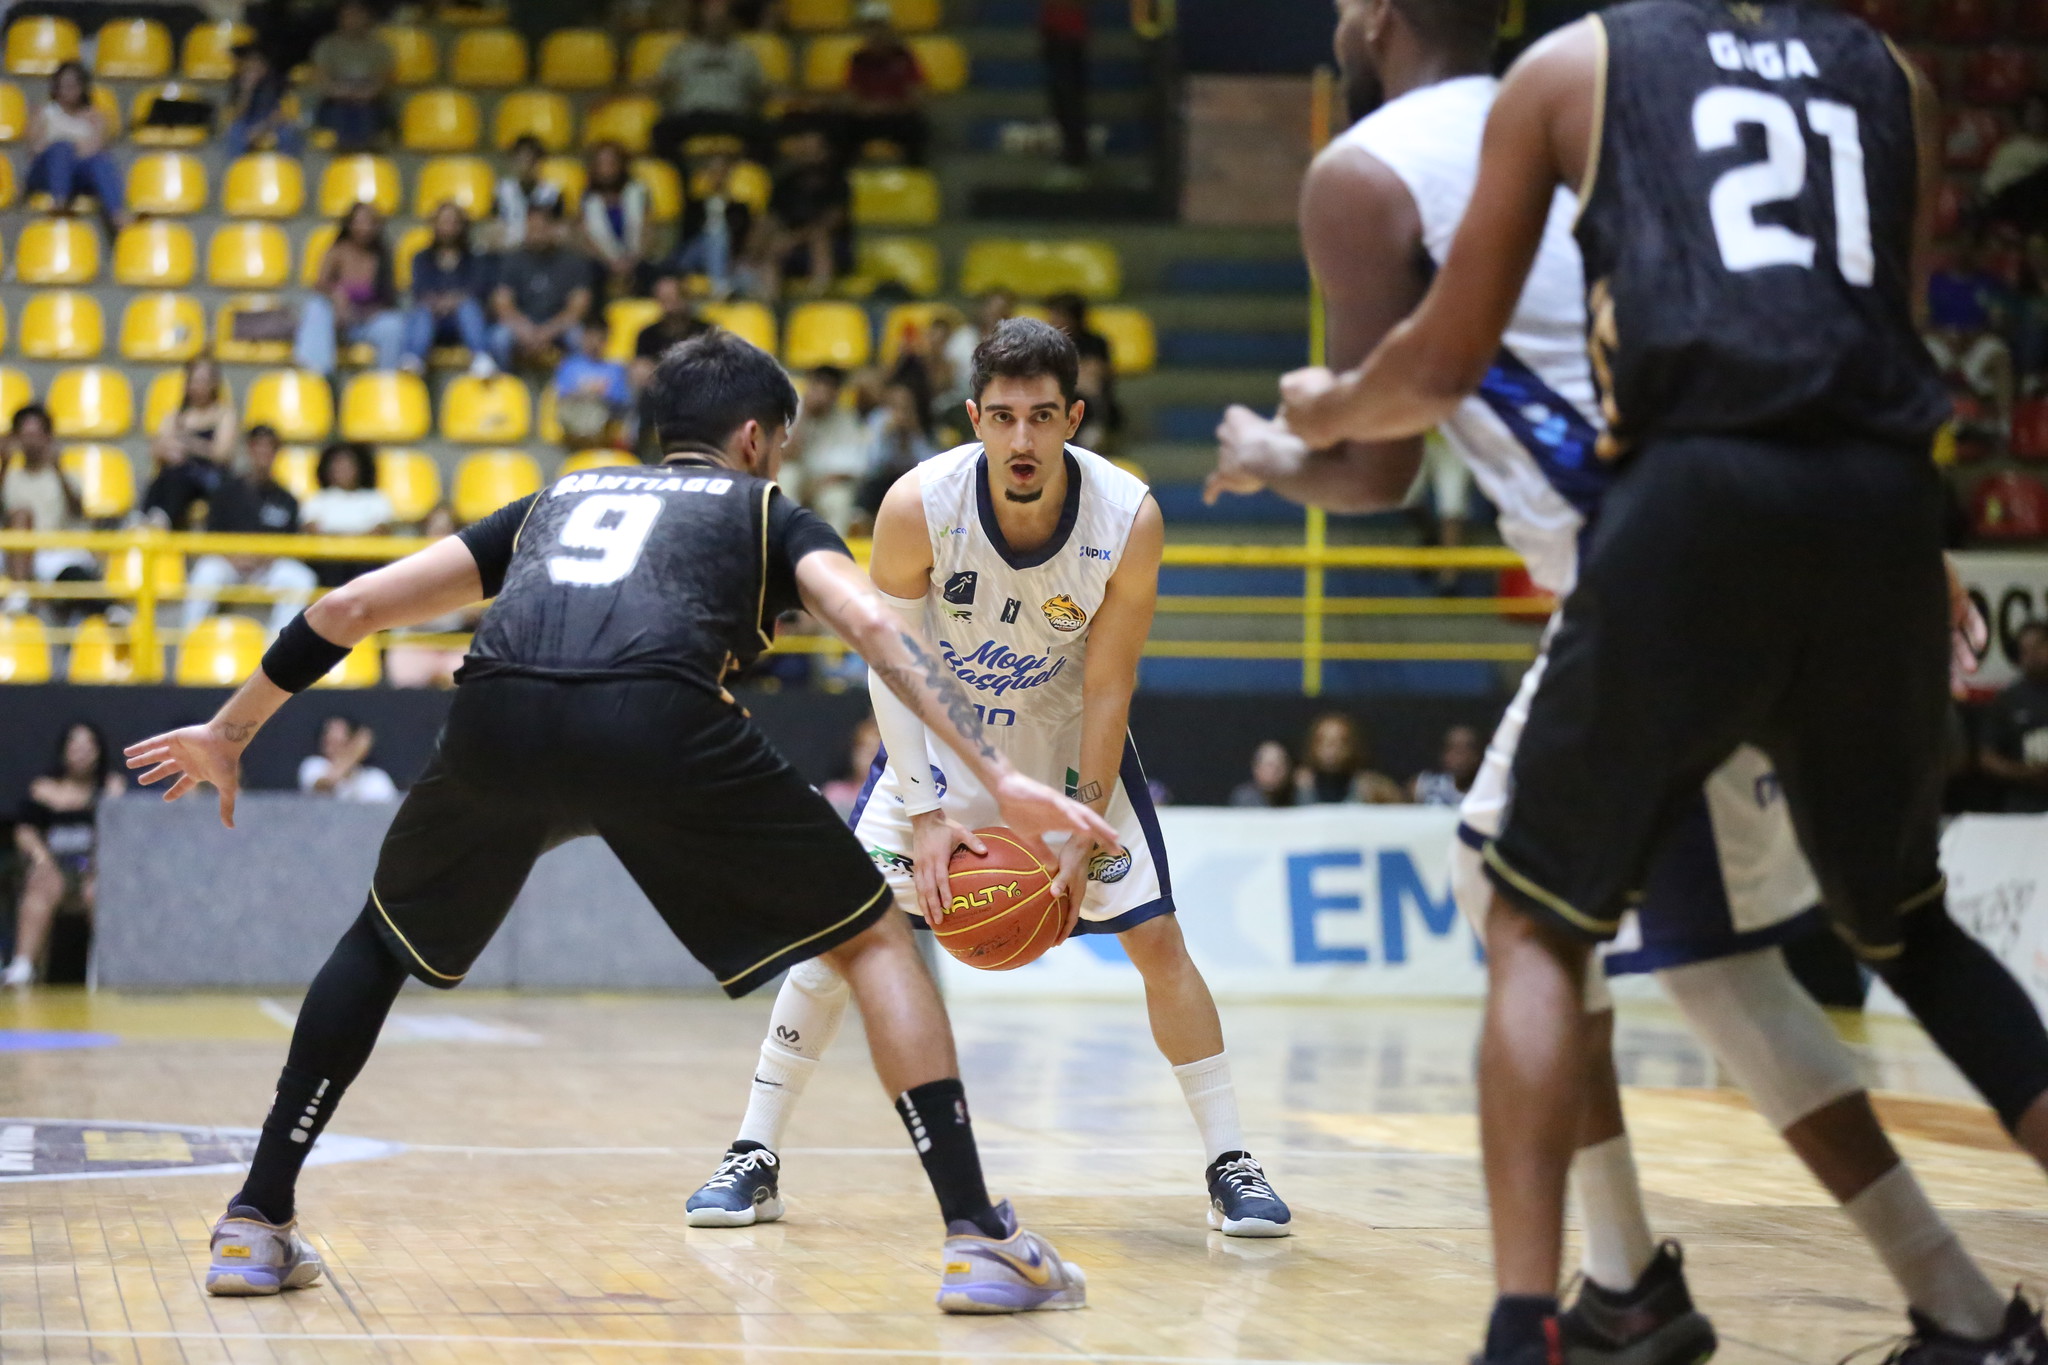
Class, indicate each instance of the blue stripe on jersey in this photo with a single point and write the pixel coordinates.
(1553, 431)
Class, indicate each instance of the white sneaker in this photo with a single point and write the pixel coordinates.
(20, 972)
(482, 366)
(1020, 1273)
(252, 1256)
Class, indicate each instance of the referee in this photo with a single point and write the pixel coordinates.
(593, 702)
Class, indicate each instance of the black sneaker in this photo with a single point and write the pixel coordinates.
(2019, 1342)
(741, 1193)
(1242, 1203)
(1653, 1323)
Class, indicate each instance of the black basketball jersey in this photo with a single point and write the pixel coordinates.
(1749, 232)
(676, 572)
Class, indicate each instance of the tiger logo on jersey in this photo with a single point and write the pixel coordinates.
(1065, 614)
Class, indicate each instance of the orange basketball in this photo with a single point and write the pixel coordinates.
(1000, 911)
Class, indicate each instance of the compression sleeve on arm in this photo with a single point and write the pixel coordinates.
(903, 734)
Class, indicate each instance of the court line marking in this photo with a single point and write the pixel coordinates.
(612, 1343)
(1396, 1154)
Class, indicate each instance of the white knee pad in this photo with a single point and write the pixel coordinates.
(1761, 1025)
(808, 1009)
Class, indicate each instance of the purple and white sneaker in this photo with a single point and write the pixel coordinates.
(253, 1256)
(1017, 1273)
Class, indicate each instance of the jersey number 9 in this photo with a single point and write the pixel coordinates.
(615, 526)
(1718, 116)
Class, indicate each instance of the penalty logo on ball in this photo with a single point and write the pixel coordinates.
(1107, 867)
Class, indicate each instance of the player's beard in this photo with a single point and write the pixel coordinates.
(1033, 496)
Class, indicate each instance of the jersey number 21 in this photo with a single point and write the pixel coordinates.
(1718, 116)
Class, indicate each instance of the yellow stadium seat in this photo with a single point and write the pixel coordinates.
(165, 392)
(440, 120)
(912, 262)
(296, 471)
(566, 173)
(778, 64)
(220, 651)
(664, 188)
(584, 460)
(109, 104)
(3, 325)
(906, 320)
(1133, 345)
(91, 401)
(415, 59)
(411, 480)
(410, 243)
(487, 57)
(894, 196)
(13, 112)
(577, 59)
(167, 182)
(384, 405)
(819, 16)
(57, 251)
(750, 322)
(146, 134)
(245, 256)
(462, 180)
(104, 478)
(264, 185)
(132, 50)
(540, 114)
(827, 334)
(826, 59)
(124, 571)
(317, 243)
(549, 422)
(233, 350)
(62, 324)
(915, 16)
(627, 120)
(488, 479)
(38, 46)
(624, 320)
(352, 180)
(296, 402)
(162, 325)
(153, 253)
(362, 666)
(24, 645)
(649, 51)
(6, 183)
(15, 393)
(97, 659)
(749, 183)
(209, 50)
(944, 61)
(1036, 269)
(484, 410)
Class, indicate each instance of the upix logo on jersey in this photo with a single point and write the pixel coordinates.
(1063, 613)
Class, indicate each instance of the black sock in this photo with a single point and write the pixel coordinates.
(936, 1115)
(338, 1025)
(1519, 1323)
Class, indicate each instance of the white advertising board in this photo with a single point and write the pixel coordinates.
(2010, 590)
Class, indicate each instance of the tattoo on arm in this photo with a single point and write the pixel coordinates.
(904, 682)
(1090, 792)
(237, 732)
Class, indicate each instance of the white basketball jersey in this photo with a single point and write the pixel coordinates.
(1528, 433)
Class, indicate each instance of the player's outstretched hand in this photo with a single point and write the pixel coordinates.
(933, 839)
(1248, 448)
(1035, 809)
(1307, 408)
(195, 754)
(1070, 883)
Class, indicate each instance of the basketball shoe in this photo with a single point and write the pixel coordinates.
(1017, 1273)
(1651, 1323)
(252, 1255)
(741, 1193)
(1242, 1203)
(2019, 1342)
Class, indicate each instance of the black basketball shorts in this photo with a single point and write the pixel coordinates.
(751, 868)
(1739, 590)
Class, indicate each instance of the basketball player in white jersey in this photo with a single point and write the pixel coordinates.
(1036, 566)
(1379, 211)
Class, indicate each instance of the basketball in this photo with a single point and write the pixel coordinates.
(1000, 911)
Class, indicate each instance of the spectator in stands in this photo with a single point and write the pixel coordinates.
(715, 228)
(1272, 781)
(252, 502)
(353, 299)
(1339, 766)
(449, 282)
(57, 837)
(713, 85)
(37, 495)
(808, 231)
(1448, 782)
(409, 664)
(593, 396)
(899, 439)
(2015, 184)
(515, 191)
(614, 227)
(543, 291)
(69, 143)
(844, 790)
(828, 447)
(678, 323)
(1966, 305)
(2029, 326)
(950, 383)
(1063, 42)
(993, 309)
(256, 111)
(352, 71)
(347, 503)
(2015, 743)
(341, 769)
(885, 88)
(192, 448)
(1105, 417)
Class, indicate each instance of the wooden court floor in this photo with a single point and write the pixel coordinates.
(527, 1159)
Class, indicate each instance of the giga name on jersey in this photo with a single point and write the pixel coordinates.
(997, 669)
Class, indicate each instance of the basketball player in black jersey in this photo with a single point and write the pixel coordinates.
(1755, 180)
(593, 701)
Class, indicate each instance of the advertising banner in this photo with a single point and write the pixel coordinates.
(2010, 590)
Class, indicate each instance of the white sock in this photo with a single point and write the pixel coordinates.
(806, 1018)
(1619, 1247)
(1213, 1101)
(1921, 1250)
